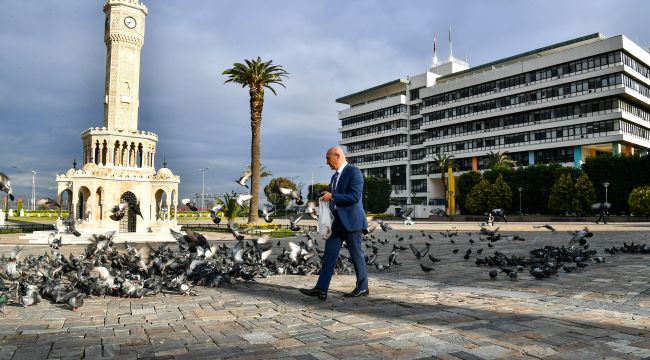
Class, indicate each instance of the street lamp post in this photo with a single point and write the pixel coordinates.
(606, 185)
(33, 190)
(311, 192)
(203, 185)
(520, 188)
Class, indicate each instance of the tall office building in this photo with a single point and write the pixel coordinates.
(560, 103)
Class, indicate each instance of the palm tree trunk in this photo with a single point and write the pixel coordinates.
(256, 104)
(444, 187)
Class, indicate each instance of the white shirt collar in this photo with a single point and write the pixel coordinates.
(340, 169)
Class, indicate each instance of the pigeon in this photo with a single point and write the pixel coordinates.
(70, 226)
(242, 198)
(406, 217)
(579, 237)
(234, 231)
(425, 268)
(439, 212)
(47, 202)
(54, 242)
(77, 301)
(500, 213)
(266, 213)
(547, 226)
(493, 274)
(136, 209)
(118, 211)
(243, 178)
(214, 213)
(291, 194)
(189, 204)
(5, 185)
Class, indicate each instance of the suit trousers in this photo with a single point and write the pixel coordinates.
(331, 255)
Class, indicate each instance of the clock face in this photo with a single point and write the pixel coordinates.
(129, 22)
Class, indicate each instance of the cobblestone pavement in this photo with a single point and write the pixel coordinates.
(454, 312)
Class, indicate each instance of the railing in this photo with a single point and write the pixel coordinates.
(25, 228)
(275, 230)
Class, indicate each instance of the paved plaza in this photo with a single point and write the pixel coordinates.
(454, 312)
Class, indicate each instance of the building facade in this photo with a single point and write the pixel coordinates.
(560, 103)
(119, 159)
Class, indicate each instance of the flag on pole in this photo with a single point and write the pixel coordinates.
(451, 52)
(435, 58)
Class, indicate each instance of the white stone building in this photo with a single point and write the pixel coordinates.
(118, 159)
(559, 103)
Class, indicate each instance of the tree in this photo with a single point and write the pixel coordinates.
(376, 194)
(257, 75)
(230, 207)
(562, 195)
(639, 201)
(264, 172)
(314, 193)
(500, 197)
(273, 194)
(441, 163)
(477, 200)
(585, 194)
(464, 185)
(496, 160)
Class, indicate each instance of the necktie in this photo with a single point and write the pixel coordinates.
(333, 187)
(334, 179)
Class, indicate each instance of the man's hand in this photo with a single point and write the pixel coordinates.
(326, 196)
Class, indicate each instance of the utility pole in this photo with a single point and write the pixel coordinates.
(33, 190)
(203, 186)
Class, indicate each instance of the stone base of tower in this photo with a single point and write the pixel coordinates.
(41, 237)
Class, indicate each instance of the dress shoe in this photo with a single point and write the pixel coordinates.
(357, 293)
(315, 292)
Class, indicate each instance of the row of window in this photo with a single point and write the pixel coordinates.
(418, 169)
(395, 155)
(375, 129)
(636, 86)
(635, 130)
(378, 143)
(527, 118)
(567, 68)
(636, 65)
(374, 115)
(419, 185)
(563, 133)
(571, 88)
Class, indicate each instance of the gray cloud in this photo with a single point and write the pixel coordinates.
(52, 70)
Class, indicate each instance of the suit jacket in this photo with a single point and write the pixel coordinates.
(348, 197)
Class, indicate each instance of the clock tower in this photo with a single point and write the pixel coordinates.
(124, 37)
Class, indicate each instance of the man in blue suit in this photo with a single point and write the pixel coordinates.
(345, 197)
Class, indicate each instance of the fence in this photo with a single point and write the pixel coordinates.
(274, 230)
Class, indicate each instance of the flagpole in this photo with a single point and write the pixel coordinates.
(451, 51)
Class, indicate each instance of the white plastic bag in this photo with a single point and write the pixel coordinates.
(325, 219)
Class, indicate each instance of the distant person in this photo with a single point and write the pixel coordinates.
(490, 220)
(603, 211)
(346, 189)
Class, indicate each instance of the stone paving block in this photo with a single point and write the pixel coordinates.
(32, 352)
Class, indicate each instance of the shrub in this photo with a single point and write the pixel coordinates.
(639, 201)
(562, 194)
(585, 195)
(477, 200)
(500, 196)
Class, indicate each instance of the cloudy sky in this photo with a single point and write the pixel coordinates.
(52, 64)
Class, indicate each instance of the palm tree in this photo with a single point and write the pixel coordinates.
(264, 172)
(499, 160)
(257, 75)
(442, 162)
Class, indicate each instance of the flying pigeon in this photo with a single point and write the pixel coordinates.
(118, 211)
(242, 198)
(244, 178)
(292, 194)
(5, 185)
(47, 202)
(189, 204)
